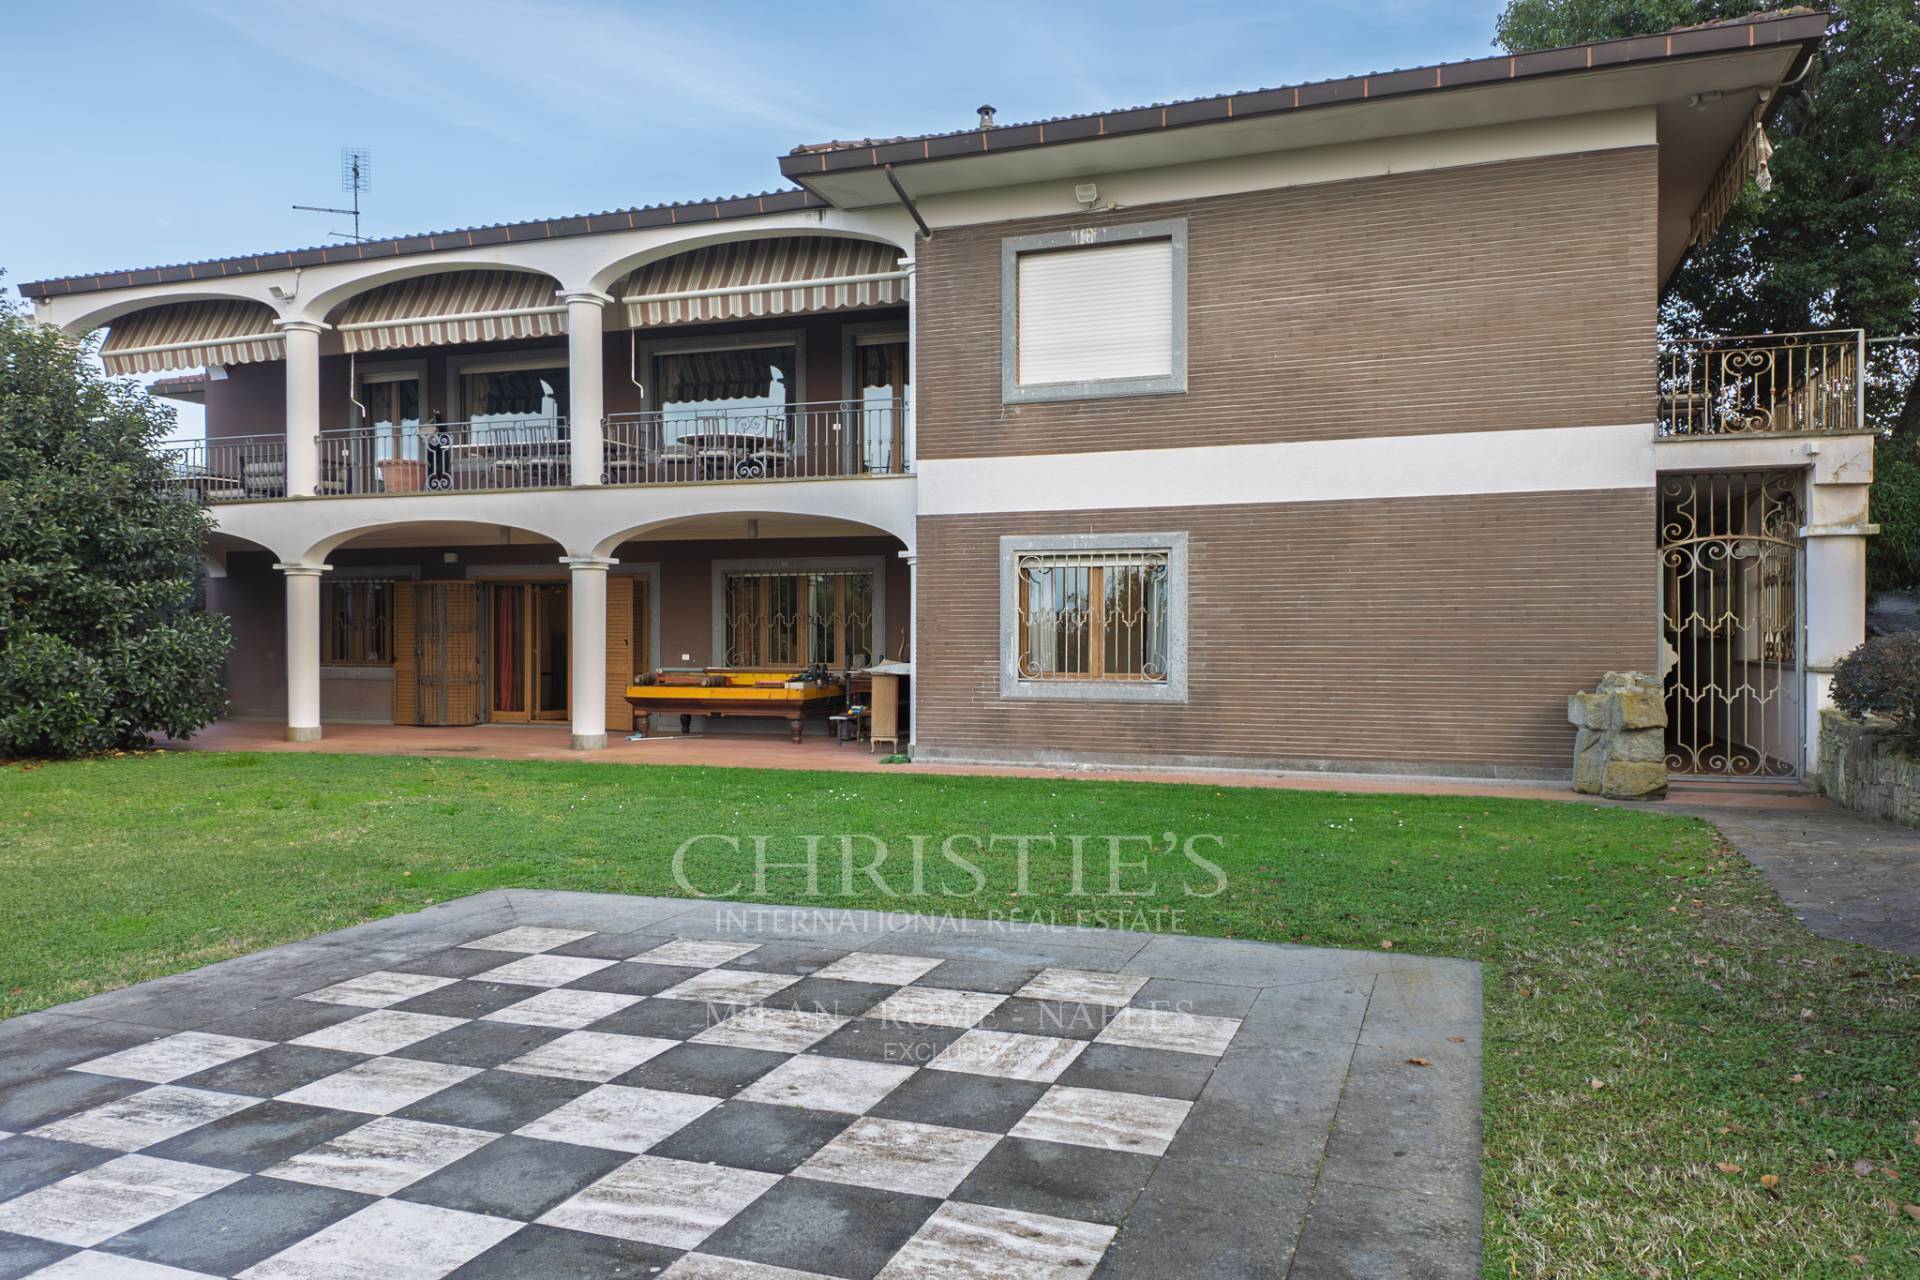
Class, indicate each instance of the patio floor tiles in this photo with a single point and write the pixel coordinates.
(534, 1100)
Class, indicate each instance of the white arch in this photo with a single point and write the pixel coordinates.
(606, 277)
(324, 303)
(121, 306)
(886, 505)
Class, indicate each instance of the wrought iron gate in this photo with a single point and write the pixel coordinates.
(1730, 635)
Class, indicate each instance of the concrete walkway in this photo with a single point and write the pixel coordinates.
(1843, 874)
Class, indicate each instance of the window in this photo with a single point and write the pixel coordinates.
(356, 624)
(880, 381)
(741, 389)
(1095, 312)
(1094, 617)
(508, 398)
(780, 619)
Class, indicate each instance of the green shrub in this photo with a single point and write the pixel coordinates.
(1882, 678)
(1893, 556)
(100, 642)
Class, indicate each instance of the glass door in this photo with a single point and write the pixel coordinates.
(507, 647)
(528, 646)
(549, 651)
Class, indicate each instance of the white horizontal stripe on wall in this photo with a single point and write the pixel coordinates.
(1526, 461)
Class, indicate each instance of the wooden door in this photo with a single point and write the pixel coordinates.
(438, 673)
(629, 653)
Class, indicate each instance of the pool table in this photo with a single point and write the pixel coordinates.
(789, 694)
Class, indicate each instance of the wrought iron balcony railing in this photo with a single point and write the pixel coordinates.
(1765, 384)
(228, 468)
(446, 457)
(797, 442)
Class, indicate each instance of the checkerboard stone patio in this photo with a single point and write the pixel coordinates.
(537, 1084)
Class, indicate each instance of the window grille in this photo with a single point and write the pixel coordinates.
(779, 619)
(1095, 615)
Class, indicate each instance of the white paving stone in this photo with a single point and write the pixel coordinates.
(827, 1084)
(381, 1086)
(103, 1201)
(935, 1007)
(144, 1118)
(543, 971)
(1011, 1054)
(690, 953)
(388, 1240)
(729, 986)
(528, 939)
(879, 969)
(1170, 1029)
(171, 1057)
(379, 989)
(589, 1055)
(899, 1155)
(780, 1030)
(1084, 986)
(381, 1156)
(619, 1118)
(708, 1266)
(561, 1007)
(667, 1202)
(975, 1242)
(382, 1031)
(1104, 1119)
(94, 1265)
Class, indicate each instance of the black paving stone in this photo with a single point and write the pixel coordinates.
(1058, 1179)
(258, 1138)
(1164, 1073)
(515, 1177)
(961, 1101)
(236, 1226)
(718, 1071)
(481, 1044)
(754, 1135)
(272, 1071)
(549, 1253)
(497, 1101)
(823, 1227)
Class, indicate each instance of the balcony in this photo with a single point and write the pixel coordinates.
(1767, 384)
(446, 457)
(228, 469)
(837, 439)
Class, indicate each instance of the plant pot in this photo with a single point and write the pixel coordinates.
(403, 475)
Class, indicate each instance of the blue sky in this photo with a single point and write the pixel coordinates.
(166, 131)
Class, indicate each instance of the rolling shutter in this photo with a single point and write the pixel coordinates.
(406, 663)
(619, 655)
(1096, 314)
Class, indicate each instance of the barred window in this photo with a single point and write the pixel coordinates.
(796, 619)
(1097, 615)
(356, 624)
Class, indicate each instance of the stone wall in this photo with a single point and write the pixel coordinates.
(1860, 769)
(1620, 751)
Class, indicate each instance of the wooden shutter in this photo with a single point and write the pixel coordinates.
(465, 668)
(1099, 313)
(619, 655)
(406, 667)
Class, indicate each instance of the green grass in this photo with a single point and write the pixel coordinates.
(1652, 1011)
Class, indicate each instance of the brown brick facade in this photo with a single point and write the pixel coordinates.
(1519, 294)
(1443, 631)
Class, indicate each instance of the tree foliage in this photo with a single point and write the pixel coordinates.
(1836, 243)
(101, 642)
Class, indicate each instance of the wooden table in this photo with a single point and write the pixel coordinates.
(769, 694)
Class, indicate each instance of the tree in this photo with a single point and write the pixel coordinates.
(1836, 243)
(100, 640)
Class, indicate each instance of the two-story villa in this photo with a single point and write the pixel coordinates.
(1319, 426)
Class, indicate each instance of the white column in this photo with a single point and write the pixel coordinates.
(913, 358)
(586, 387)
(303, 406)
(303, 650)
(1835, 590)
(588, 675)
(913, 649)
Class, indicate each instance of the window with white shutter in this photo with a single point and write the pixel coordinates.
(1095, 312)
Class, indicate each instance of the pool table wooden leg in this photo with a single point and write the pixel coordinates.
(798, 726)
(686, 724)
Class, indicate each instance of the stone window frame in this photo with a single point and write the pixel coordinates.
(1012, 390)
(1015, 688)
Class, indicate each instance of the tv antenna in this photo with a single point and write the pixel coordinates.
(356, 176)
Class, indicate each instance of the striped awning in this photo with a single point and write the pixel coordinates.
(786, 276)
(453, 307)
(191, 335)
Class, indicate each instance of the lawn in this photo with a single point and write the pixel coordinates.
(1680, 1080)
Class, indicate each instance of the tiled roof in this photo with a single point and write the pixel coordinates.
(656, 215)
(1785, 26)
